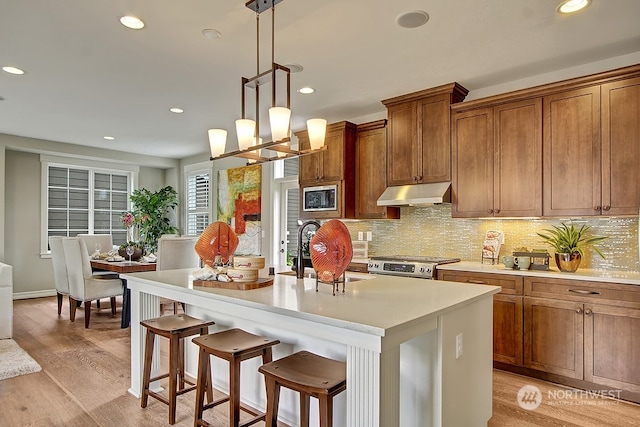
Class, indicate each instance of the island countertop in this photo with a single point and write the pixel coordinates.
(373, 304)
(398, 336)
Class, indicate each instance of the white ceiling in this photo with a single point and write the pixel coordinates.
(88, 76)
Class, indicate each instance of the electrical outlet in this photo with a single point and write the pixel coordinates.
(369, 236)
(459, 346)
(360, 235)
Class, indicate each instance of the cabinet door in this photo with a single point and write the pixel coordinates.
(621, 147)
(434, 142)
(472, 180)
(507, 329)
(332, 159)
(553, 336)
(611, 346)
(371, 177)
(571, 147)
(517, 188)
(309, 172)
(401, 149)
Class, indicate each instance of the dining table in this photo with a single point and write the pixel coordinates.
(123, 267)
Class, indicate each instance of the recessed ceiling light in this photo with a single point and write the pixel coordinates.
(306, 90)
(414, 19)
(109, 138)
(12, 70)
(294, 68)
(568, 7)
(176, 110)
(210, 33)
(132, 22)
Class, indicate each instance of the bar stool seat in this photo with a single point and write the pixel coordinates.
(234, 346)
(309, 375)
(175, 328)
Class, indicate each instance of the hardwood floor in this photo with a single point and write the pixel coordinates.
(85, 377)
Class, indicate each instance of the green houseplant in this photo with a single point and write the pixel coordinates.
(151, 214)
(569, 242)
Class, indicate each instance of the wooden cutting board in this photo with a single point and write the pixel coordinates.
(241, 286)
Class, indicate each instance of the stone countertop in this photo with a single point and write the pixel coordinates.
(624, 277)
(375, 304)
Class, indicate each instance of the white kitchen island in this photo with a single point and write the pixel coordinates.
(397, 335)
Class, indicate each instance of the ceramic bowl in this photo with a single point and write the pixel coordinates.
(242, 275)
(248, 262)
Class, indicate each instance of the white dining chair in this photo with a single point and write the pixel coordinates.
(84, 286)
(59, 269)
(176, 252)
(91, 240)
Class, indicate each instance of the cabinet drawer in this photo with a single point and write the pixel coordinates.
(581, 290)
(511, 285)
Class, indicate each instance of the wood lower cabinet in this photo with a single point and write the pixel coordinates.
(507, 311)
(371, 177)
(583, 330)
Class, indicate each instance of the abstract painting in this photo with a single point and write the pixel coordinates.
(239, 201)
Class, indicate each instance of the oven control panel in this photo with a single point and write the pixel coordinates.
(411, 269)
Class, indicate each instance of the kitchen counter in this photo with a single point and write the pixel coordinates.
(397, 335)
(624, 277)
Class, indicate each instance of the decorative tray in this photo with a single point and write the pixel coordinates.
(262, 282)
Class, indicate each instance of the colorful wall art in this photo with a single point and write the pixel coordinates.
(239, 197)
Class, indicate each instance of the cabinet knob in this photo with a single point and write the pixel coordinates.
(489, 211)
(597, 208)
(579, 310)
(497, 211)
(606, 208)
(588, 311)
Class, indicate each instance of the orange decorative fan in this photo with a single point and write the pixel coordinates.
(331, 251)
(217, 239)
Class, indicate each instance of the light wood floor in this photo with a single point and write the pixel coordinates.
(85, 377)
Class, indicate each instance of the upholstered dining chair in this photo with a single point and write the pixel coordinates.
(84, 286)
(90, 241)
(176, 252)
(59, 269)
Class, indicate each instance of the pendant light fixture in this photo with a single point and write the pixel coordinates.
(250, 144)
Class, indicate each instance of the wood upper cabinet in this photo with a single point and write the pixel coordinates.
(507, 311)
(371, 179)
(572, 184)
(497, 155)
(620, 114)
(419, 143)
(332, 164)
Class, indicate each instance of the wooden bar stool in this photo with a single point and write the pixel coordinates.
(234, 346)
(309, 375)
(175, 328)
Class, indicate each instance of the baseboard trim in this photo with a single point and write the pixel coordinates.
(34, 294)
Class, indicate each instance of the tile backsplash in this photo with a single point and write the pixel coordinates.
(431, 231)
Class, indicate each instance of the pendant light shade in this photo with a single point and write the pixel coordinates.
(217, 141)
(279, 119)
(246, 131)
(317, 129)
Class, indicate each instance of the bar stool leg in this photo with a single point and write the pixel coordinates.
(326, 410)
(273, 400)
(304, 409)
(146, 375)
(181, 364)
(202, 384)
(174, 362)
(209, 386)
(234, 392)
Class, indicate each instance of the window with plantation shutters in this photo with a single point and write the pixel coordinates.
(198, 185)
(84, 200)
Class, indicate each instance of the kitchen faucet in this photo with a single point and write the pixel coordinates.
(299, 260)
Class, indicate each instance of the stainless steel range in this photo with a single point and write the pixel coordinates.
(408, 265)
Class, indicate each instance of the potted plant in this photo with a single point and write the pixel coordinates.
(569, 243)
(151, 215)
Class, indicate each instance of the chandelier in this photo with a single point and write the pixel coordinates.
(248, 130)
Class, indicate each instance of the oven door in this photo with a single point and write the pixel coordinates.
(320, 198)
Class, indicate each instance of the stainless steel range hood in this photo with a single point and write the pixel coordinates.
(416, 194)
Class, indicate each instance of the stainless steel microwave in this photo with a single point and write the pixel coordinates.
(320, 198)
